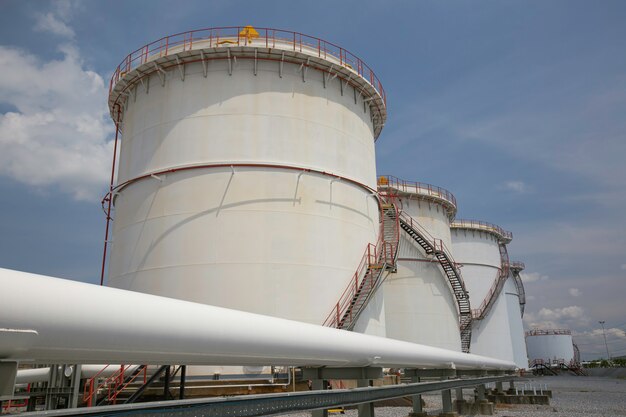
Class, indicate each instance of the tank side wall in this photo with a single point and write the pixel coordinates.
(247, 118)
(430, 215)
(257, 240)
(372, 320)
(491, 336)
(520, 356)
(550, 347)
(479, 255)
(419, 305)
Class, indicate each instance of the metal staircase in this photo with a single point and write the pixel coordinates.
(437, 249)
(110, 387)
(516, 268)
(377, 261)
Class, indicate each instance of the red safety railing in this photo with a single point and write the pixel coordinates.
(9, 404)
(496, 287)
(480, 312)
(484, 226)
(542, 332)
(246, 36)
(366, 277)
(536, 362)
(517, 265)
(121, 383)
(112, 385)
(419, 188)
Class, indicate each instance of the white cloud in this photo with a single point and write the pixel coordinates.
(518, 187)
(591, 342)
(50, 23)
(610, 333)
(575, 292)
(566, 317)
(56, 21)
(571, 312)
(533, 277)
(58, 135)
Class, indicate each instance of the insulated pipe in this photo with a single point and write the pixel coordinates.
(102, 324)
(29, 376)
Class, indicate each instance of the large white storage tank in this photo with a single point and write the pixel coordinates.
(497, 329)
(246, 170)
(550, 345)
(419, 303)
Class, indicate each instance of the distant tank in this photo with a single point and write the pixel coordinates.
(550, 346)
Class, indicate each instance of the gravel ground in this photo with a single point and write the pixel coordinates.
(571, 396)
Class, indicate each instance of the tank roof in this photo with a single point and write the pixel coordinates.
(548, 332)
(503, 235)
(403, 188)
(247, 42)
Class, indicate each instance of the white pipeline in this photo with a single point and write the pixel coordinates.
(52, 320)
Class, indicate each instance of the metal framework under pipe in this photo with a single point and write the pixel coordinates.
(26, 376)
(270, 404)
(130, 327)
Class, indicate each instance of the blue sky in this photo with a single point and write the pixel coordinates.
(517, 107)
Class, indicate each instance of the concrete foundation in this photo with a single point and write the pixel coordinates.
(519, 399)
(483, 408)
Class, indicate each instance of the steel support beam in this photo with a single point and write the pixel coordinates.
(273, 404)
(8, 372)
(431, 373)
(342, 373)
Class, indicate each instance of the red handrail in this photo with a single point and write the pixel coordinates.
(416, 188)
(496, 287)
(89, 389)
(111, 384)
(232, 34)
(119, 387)
(375, 256)
(484, 226)
(541, 332)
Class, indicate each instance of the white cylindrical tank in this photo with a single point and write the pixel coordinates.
(419, 304)
(480, 248)
(246, 171)
(551, 345)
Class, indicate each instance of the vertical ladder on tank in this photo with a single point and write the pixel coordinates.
(377, 261)
(436, 248)
(516, 268)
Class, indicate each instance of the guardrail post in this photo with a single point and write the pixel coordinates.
(365, 409)
(499, 387)
(318, 385)
(418, 410)
(461, 405)
(446, 400)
